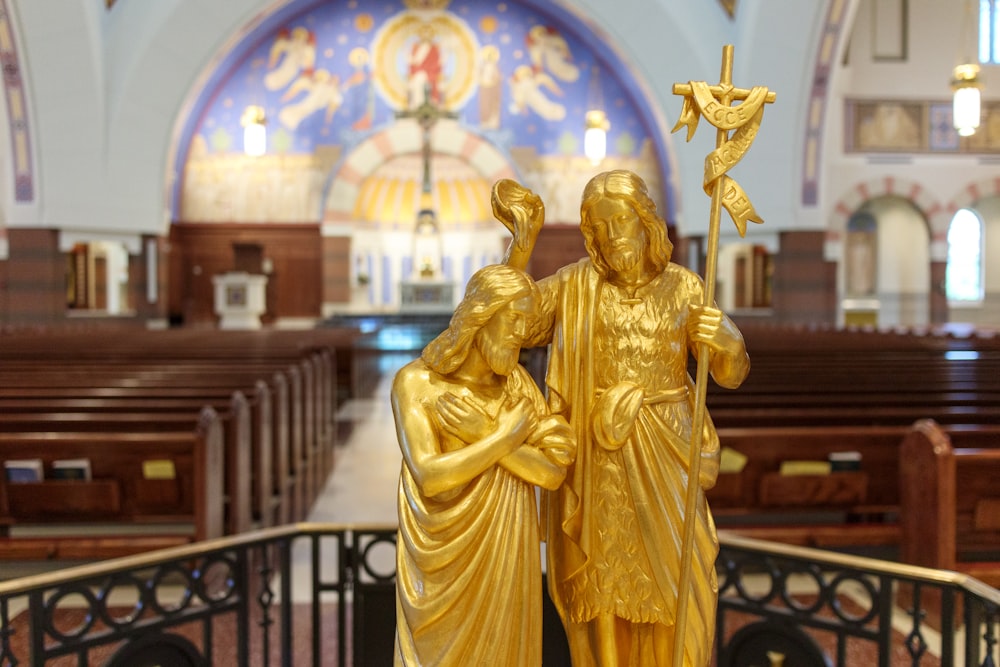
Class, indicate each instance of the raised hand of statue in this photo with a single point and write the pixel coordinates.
(522, 212)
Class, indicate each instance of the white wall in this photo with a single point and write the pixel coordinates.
(109, 89)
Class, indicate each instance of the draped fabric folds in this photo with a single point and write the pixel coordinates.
(469, 572)
(615, 526)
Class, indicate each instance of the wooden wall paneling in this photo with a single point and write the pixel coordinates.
(199, 251)
(804, 287)
(36, 276)
(336, 269)
(557, 246)
(939, 298)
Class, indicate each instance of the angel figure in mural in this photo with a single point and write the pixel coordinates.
(292, 54)
(527, 95)
(476, 437)
(322, 91)
(549, 51)
(550, 60)
(622, 323)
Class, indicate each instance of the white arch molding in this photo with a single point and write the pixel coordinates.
(894, 309)
(381, 256)
(405, 137)
(937, 214)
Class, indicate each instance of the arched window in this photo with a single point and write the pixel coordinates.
(989, 32)
(964, 275)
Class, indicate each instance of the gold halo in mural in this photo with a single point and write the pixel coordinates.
(390, 197)
(364, 22)
(394, 52)
(358, 57)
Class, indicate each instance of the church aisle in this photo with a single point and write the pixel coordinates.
(362, 487)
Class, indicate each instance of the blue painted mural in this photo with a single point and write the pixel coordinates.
(334, 71)
(522, 75)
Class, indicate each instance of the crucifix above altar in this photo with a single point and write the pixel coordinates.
(426, 288)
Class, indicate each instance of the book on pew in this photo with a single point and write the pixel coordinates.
(840, 461)
(732, 461)
(805, 467)
(24, 470)
(71, 469)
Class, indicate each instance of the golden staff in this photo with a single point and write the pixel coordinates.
(715, 104)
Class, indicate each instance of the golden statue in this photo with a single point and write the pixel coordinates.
(476, 437)
(631, 544)
(621, 324)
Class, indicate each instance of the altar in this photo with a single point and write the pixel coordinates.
(426, 296)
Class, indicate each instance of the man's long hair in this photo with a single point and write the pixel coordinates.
(490, 289)
(628, 187)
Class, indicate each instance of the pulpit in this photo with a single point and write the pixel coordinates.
(240, 299)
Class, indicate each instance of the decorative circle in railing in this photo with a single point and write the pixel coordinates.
(69, 613)
(121, 600)
(216, 579)
(843, 591)
(766, 590)
(163, 586)
(380, 551)
(804, 589)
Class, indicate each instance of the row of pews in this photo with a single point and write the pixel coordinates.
(922, 411)
(193, 434)
(188, 435)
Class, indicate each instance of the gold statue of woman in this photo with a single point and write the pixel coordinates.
(476, 437)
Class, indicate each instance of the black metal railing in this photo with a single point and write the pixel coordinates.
(316, 594)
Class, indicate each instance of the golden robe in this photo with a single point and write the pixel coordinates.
(469, 578)
(615, 527)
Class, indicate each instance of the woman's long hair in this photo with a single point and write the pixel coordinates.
(628, 187)
(490, 289)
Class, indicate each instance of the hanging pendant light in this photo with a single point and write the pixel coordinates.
(254, 123)
(595, 138)
(596, 124)
(965, 81)
(966, 103)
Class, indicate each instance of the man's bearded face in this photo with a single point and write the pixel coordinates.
(500, 339)
(619, 232)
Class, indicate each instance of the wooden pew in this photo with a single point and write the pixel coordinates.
(950, 500)
(877, 413)
(182, 504)
(273, 435)
(840, 509)
(307, 434)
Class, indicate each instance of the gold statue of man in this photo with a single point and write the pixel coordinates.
(476, 437)
(622, 324)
